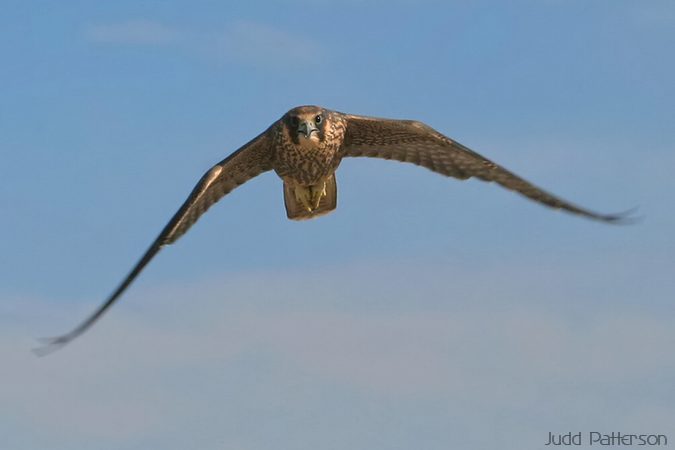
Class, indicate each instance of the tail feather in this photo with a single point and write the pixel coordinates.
(296, 211)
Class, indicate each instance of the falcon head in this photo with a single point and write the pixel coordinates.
(306, 124)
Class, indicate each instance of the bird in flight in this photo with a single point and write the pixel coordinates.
(305, 147)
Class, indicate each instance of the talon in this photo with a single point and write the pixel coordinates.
(318, 194)
(302, 195)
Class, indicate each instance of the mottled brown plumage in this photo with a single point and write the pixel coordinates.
(305, 148)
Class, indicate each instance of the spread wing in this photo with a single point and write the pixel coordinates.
(417, 143)
(249, 161)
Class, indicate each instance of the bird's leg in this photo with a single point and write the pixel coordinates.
(304, 196)
(318, 192)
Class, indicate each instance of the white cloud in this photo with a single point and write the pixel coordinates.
(263, 45)
(133, 32)
(242, 42)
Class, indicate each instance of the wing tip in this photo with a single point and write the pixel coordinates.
(626, 217)
(50, 345)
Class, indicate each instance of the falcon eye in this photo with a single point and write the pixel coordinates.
(318, 119)
(295, 121)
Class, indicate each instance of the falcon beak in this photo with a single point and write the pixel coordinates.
(307, 128)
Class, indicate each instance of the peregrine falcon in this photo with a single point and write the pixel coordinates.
(304, 147)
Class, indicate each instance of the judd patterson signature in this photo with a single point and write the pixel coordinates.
(597, 438)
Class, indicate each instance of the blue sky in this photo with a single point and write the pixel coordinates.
(425, 312)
